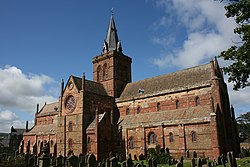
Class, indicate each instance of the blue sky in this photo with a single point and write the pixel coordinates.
(44, 41)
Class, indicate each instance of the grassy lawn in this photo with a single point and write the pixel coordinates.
(245, 162)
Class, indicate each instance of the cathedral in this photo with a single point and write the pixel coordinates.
(187, 111)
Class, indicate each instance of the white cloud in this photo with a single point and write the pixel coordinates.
(23, 91)
(207, 29)
(20, 93)
(8, 119)
(208, 32)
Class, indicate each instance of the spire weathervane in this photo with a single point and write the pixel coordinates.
(112, 11)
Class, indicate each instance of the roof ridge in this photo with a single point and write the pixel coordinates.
(175, 72)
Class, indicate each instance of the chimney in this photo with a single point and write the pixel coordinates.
(37, 108)
(27, 126)
(83, 81)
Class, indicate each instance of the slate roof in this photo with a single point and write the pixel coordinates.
(90, 86)
(176, 81)
(17, 131)
(49, 109)
(170, 117)
(92, 125)
(43, 129)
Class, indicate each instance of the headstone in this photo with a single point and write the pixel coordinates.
(193, 162)
(179, 164)
(91, 161)
(59, 161)
(219, 160)
(114, 162)
(129, 161)
(107, 162)
(26, 158)
(223, 160)
(181, 160)
(167, 150)
(124, 164)
(31, 161)
(135, 158)
(73, 161)
(231, 159)
(170, 161)
(138, 165)
(44, 160)
(150, 162)
(199, 162)
(141, 157)
(209, 164)
(194, 154)
(103, 163)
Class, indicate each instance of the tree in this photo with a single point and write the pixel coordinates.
(239, 53)
(243, 123)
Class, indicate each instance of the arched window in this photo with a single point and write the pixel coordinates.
(171, 137)
(194, 136)
(138, 109)
(89, 140)
(197, 101)
(158, 107)
(178, 104)
(131, 143)
(70, 141)
(151, 138)
(70, 126)
(105, 72)
(127, 111)
(99, 73)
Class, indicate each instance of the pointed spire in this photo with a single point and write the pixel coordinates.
(112, 41)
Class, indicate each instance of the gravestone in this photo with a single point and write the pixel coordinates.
(91, 161)
(179, 164)
(194, 154)
(199, 162)
(72, 161)
(124, 164)
(129, 161)
(59, 161)
(114, 162)
(150, 162)
(107, 162)
(135, 158)
(231, 159)
(193, 162)
(44, 160)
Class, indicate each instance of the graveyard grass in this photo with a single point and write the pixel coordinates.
(240, 162)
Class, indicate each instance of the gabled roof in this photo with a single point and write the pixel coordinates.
(170, 117)
(15, 131)
(176, 81)
(92, 124)
(48, 109)
(43, 129)
(90, 86)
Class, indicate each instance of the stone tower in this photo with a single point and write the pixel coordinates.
(112, 68)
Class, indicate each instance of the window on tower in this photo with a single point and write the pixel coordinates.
(197, 101)
(98, 71)
(105, 71)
